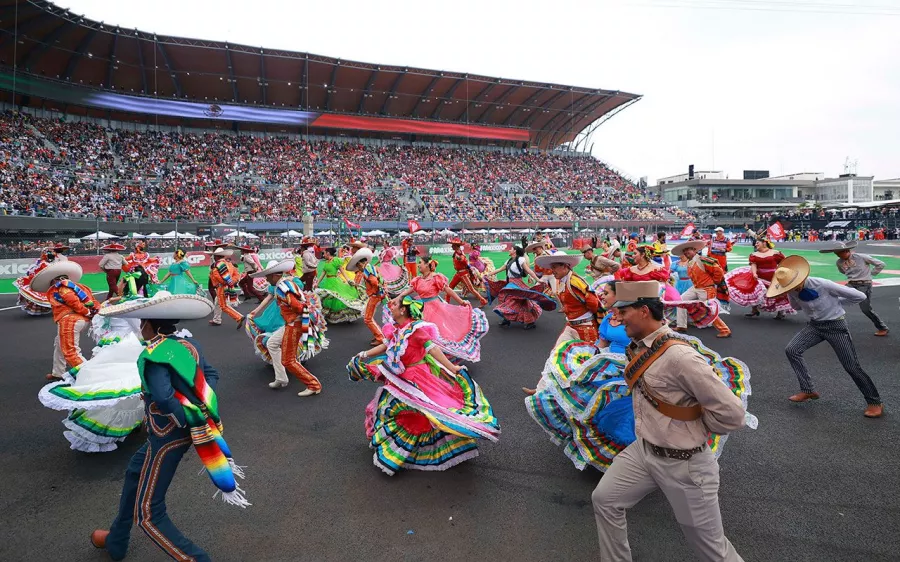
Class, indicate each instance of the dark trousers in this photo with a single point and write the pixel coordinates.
(143, 500)
(866, 305)
(308, 280)
(112, 282)
(250, 292)
(837, 335)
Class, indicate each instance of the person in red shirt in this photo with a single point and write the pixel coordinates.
(367, 276)
(463, 273)
(224, 275)
(73, 305)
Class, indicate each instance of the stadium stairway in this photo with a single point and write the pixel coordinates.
(117, 159)
(34, 131)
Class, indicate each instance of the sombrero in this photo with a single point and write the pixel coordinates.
(114, 247)
(791, 272)
(547, 260)
(695, 244)
(361, 254)
(163, 306)
(221, 251)
(587, 249)
(634, 292)
(217, 243)
(535, 245)
(241, 248)
(457, 242)
(40, 283)
(274, 266)
(358, 245)
(60, 247)
(840, 247)
(307, 241)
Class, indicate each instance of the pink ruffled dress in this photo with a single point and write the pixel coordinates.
(459, 327)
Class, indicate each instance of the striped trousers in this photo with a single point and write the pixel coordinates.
(836, 333)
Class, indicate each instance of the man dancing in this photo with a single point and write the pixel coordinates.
(579, 303)
(250, 259)
(72, 305)
(705, 275)
(223, 276)
(367, 276)
(111, 263)
(856, 267)
(307, 263)
(719, 246)
(463, 271)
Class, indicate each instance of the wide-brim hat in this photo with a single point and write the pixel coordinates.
(609, 264)
(695, 244)
(41, 281)
(217, 243)
(457, 242)
(162, 306)
(114, 247)
(358, 244)
(307, 241)
(840, 247)
(634, 292)
(535, 245)
(241, 248)
(361, 254)
(546, 260)
(791, 272)
(221, 251)
(60, 247)
(274, 266)
(587, 249)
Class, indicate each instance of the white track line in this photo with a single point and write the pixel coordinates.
(17, 306)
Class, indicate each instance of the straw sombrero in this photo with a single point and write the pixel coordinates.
(114, 247)
(546, 260)
(361, 254)
(163, 306)
(274, 266)
(358, 245)
(221, 251)
(535, 245)
(839, 248)
(791, 272)
(307, 241)
(695, 244)
(41, 281)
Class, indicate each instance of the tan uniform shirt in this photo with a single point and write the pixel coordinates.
(112, 260)
(682, 377)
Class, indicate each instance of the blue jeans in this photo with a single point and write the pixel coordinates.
(143, 500)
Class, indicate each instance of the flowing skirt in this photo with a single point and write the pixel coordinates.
(31, 302)
(460, 328)
(181, 284)
(584, 404)
(103, 394)
(745, 292)
(423, 418)
(340, 300)
(396, 279)
(260, 328)
(517, 302)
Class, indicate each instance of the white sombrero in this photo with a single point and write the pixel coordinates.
(695, 244)
(274, 266)
(40, 283)
(221, 252)
(163, 306)
(546, 260)
(361, 254)
(535, 245)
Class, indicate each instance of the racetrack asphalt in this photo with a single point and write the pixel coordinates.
(815, 482)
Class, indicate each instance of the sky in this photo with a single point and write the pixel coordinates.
(780, 85)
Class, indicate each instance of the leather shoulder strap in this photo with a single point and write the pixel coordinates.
(634, 374)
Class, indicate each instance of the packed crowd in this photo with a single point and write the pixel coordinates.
(53, 167)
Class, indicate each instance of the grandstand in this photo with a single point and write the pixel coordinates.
(122, 125)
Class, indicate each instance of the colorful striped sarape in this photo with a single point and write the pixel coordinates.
(407, 427)
(261, 327)
(584, 404)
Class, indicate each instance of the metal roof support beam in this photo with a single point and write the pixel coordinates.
(305, 79)
(575, 115)
(390, 96)
(328, 97)
(500, 101)
(262, 76)
(111, 60)
(140, 51)
(448, 97)
(527, 103)
(366, 92)
(582, 103)
(24, 28)
(478, 99)
(174, 76)
(535, 111)
(36, 52)
(231, 78)
(424, 95)
(75, 58)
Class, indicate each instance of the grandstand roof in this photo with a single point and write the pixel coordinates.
(56, 45)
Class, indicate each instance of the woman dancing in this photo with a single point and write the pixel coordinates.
(32, 302)
(340, 299)
(179, 277)
(516, 301)
(747, 285)
(429, 413)
(459, 327)
(395, 278)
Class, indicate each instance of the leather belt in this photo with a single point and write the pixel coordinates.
(580, 322)
(677, 454)
(859, 282)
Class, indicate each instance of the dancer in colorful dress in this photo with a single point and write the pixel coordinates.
(224, 276)
(140, 257)
(463, 271)
(135, 282)
(717, 249)
(267, 326)
(32, 302)
(111, 263)
(395, 278)
(680, 275)
(580, 304)
(429, 413)
(516, 301)
(340, 299)
(367, 277)
(859, 269)
(182, 409)
(179, 280)
(747, 285)
(73, 306)
(459, 327)
(250, 259)
(678, 401)
(644, 268)
(705, 275)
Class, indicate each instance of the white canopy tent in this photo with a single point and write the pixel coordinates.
(328, 232)
(375, 232)
(290, 234)
(237, 233)
(136, 235)
(174, 234)
(154, 235)
(446, 232)
(404, 234)
(99, 235)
